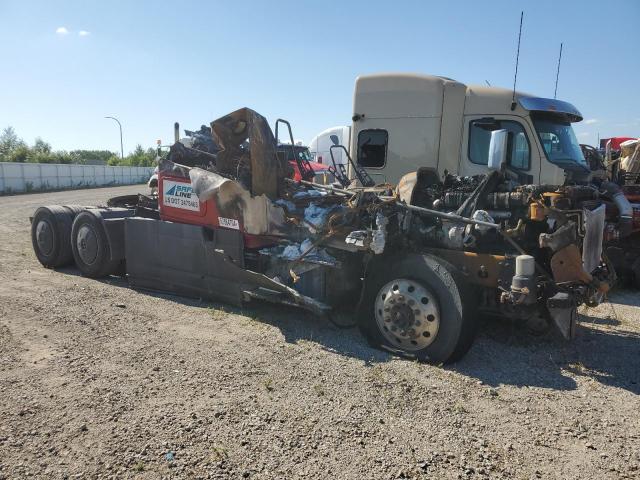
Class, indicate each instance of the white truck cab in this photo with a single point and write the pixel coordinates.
(405, 121)
(320, 145)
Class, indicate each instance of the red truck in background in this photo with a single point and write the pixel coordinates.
(322, 174)
(615, 142)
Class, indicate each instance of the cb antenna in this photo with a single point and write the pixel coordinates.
(515, 77)
(555, 91)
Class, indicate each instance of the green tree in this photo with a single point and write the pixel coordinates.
(61, 156)
(41, 147)
(19, 154)
(140, 157)
(84, 156)
(40, 152)
(14, 149)
(114, 161)
(9, 142)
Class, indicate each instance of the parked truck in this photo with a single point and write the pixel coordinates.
(402, 121)
(320, 145)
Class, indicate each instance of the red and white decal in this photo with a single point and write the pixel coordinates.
(179, 195)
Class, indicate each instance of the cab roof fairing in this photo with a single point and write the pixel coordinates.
(551, 105)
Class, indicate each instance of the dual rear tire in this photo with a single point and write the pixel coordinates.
(51, 234)
(62, 235)
(90, 247)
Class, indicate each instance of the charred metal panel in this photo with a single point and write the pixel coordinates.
(255, 164)
(257, 214)
(183, 259)
(199, 262)
(478, 268)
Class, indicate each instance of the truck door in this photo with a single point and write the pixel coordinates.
(522, 153)
(389, 148)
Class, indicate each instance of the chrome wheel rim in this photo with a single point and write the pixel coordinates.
(407, 314)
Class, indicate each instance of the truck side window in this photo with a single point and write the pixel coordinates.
(372, 148)
(518, 156)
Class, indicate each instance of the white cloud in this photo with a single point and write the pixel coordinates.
(591, 121)
(83, 33)
(62, 31)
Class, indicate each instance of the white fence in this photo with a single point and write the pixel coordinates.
(34, 177)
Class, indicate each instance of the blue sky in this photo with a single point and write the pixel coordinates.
(150, 63)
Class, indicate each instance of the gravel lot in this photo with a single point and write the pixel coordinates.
(101, 381)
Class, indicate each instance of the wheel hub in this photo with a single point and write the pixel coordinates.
(407, 314)
(44, 237)
(87, 244)
(402, 315)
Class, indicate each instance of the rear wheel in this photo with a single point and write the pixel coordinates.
(415, 306)
(51, 234)
(90, 247)
(407, 314)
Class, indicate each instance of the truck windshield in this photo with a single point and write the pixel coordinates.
(560, 143)
(301, 152)
(304, 154)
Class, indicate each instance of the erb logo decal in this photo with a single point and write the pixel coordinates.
(179, 195)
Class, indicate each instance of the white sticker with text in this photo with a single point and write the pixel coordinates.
(229, 223)
(179, 195)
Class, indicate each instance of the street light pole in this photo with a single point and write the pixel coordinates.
(119, 125)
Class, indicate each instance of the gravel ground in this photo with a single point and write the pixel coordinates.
(101, 381)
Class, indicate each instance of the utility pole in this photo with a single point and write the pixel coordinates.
(121, 147)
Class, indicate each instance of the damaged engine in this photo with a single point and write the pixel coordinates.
(532, 252)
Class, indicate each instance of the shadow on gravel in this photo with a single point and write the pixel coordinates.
(503, 353)
(295, 325)
(507, 354)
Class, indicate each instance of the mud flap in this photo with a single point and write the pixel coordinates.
(198, 262)
(564, 313)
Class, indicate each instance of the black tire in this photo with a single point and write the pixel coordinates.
(455, 301)
(51, 234)
(90, 247)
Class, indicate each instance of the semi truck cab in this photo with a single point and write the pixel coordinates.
(405, 121)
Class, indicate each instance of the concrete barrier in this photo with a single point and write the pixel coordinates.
(38, 177)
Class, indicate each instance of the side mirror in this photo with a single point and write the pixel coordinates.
(498, 149)
(334, 139)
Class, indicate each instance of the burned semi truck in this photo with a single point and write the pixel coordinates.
(415, 264)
